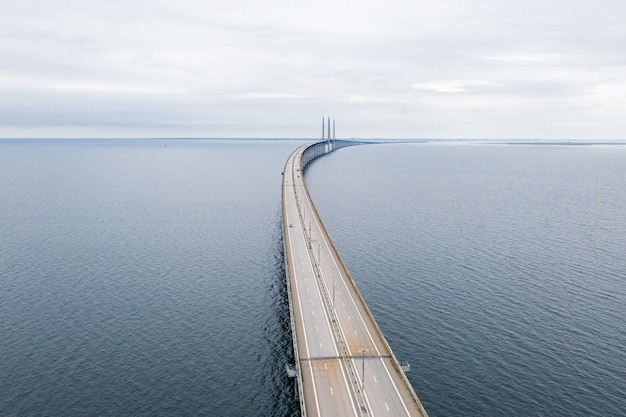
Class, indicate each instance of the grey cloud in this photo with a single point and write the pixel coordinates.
(398, 68)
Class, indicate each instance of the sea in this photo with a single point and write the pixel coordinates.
(146, 277)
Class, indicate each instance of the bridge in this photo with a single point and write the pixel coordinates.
(343, 364)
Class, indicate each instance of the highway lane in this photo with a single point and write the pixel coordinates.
(340, 347)
(323, 375)
(364, 345)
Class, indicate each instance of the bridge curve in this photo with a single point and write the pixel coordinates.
(344, 365)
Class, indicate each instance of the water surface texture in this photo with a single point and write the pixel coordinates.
(145, 277)
(497, 271)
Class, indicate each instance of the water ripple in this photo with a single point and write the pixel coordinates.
(496, 271)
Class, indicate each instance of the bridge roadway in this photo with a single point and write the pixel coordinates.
(345, 367)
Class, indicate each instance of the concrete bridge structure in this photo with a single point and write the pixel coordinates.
(343, 364)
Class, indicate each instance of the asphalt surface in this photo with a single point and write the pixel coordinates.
(345, 366)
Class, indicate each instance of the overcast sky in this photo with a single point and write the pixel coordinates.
(253, 68)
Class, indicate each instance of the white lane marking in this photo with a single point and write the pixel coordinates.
(394, 386)
(375, 380)
(306, 343)
(347, 385)
(387, 406)
(325, 366)
(310, 212)
(349, 318)
(354, 306)
(331, 391)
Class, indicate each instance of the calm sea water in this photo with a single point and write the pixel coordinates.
(145, 277)
(497, 271)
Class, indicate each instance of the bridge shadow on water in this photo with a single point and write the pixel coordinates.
(278, 387)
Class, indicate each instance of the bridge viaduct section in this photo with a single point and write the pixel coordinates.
(344, 365)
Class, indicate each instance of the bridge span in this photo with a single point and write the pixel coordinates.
(344, 365)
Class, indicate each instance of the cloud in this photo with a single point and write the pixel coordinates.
(402, 68)
(455, 86)
(262, 96)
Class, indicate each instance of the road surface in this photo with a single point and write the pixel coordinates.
(345, 366)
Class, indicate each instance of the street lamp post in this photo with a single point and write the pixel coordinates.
(363, 350)
(315, 260)
(319, 263)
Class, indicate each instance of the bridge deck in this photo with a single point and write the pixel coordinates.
(345, 366)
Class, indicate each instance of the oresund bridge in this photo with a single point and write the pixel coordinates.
(343, 364)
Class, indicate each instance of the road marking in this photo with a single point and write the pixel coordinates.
(354, 305)
(306, 343)
(331, 391)
(326, 367)
(349, 318)
(305, 209)
(375, 380)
